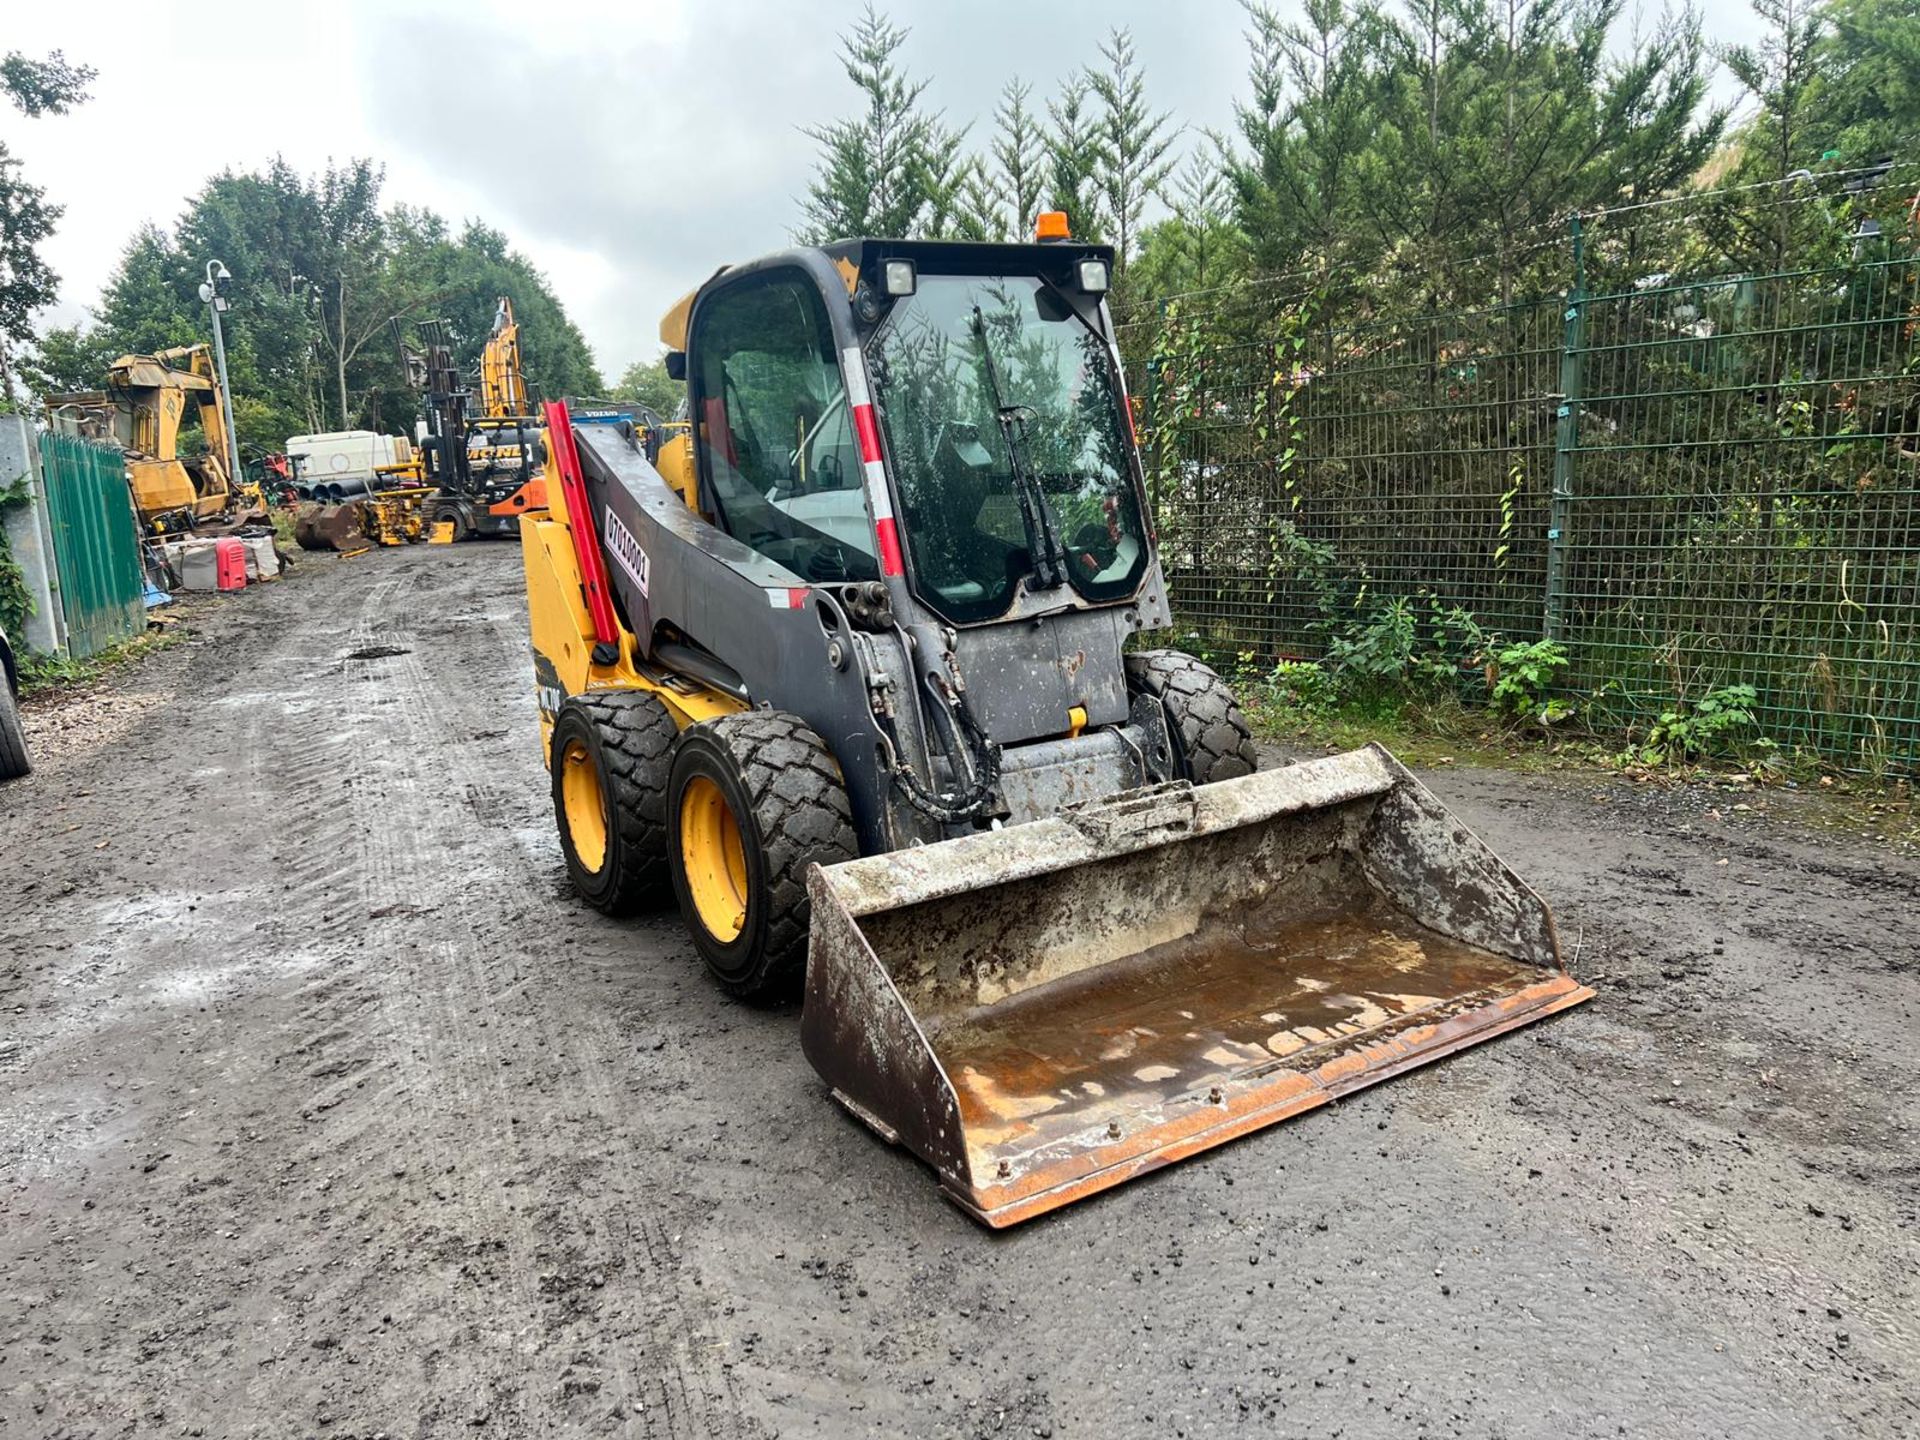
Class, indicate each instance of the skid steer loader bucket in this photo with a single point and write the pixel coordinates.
(1045, 1011)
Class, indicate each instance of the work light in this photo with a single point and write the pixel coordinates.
(1093, 276)
(900, 278)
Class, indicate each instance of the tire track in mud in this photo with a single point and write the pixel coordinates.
(434, 1100)
(416, 804)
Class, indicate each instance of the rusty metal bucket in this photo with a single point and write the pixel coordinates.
(331, 527)
(1045, 1011)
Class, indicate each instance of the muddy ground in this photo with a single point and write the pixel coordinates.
(327, 1112)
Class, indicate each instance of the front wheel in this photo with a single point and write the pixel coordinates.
(754, 799)
(1211, 739)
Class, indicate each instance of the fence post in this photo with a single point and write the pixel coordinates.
(1566, 437)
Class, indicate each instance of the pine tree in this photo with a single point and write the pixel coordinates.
(1132, 142)
(1660, 130)
(979, 211)
(1868, 106)
(1074, 159)
(1497, 118)
(876, 167)
(1311, 118)
(1781, 73)
(945, 177)
(1198, 247)
(1020, 158)
(1781, 142)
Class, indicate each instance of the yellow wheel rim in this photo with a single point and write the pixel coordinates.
(586, 806)
(713, 859)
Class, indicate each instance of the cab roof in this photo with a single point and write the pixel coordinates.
(1051, 259)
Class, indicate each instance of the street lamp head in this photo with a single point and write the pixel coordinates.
(214, 291)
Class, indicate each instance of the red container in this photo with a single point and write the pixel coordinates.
(230, 564)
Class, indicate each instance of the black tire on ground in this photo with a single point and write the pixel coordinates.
(462, 526)
(1211, 740)
(627, 737)
(784, 792)
(13, 738)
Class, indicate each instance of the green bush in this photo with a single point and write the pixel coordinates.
(1407, 649)
(1520, 676)
(1718, 725)
(1304, 685)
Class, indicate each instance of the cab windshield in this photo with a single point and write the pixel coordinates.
(1010, 454)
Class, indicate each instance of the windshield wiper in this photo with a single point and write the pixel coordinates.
(1043, 540)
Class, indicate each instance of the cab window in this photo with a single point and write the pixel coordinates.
(779, 460)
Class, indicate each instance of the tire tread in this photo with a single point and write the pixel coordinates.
(14, 760)
(636, 735)
(1213, 737)
(803, 816)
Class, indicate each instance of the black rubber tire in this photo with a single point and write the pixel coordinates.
(629, 734)
(1211, 739)
(462, 526)
(14, 761)
(790, 803)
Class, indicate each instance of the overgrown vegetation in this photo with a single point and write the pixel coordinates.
(1355, 323)
(1719, 725)
(41, 673)
(1418, 668)
(16, 605)
(1429, 139)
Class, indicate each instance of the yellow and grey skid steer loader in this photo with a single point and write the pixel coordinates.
(843, 669)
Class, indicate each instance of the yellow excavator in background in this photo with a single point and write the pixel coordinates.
(503, 384)
(485, 466)
(846, 670)
(142, 407)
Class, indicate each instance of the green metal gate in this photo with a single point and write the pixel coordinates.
(96, 542)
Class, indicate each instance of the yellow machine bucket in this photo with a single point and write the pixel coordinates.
(1045, 1011)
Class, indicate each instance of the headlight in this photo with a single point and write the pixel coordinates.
(1093, 276)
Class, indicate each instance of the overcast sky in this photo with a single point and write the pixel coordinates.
(628, 148)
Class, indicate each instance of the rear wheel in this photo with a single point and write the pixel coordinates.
(1211, 739)
(13, 737)
(754, 799)
(609, 756)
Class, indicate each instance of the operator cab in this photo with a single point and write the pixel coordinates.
(1009, 455)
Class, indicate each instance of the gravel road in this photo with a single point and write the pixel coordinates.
(327, 1112)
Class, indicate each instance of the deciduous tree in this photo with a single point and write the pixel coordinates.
(52, 86)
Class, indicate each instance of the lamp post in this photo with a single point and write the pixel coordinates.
(214, 293)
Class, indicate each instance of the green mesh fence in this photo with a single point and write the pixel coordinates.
(1686, 445)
